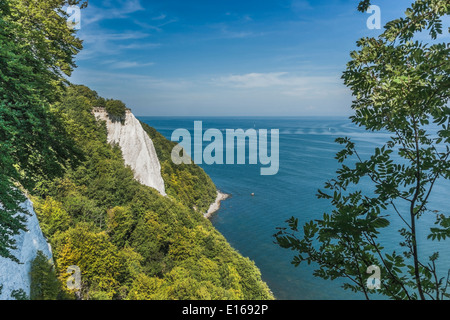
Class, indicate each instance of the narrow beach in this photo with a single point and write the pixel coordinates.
(216, 205)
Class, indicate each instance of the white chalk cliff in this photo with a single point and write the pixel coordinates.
(137, 148)
(14, 276)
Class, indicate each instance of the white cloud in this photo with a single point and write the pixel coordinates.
(230, 31)
(237, 34)
(120, 81)
(284, 82)
(165, 23)
(103, 37)
(139, 45)
(300, 5)
(252, 80)
(146, 25)
(128, 64)
(101, 44)
(162, 16)
(121, 10)
(227, 33)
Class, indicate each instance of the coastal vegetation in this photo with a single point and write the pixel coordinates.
(128, 241)
(401, 86)
(116, 109)
(33, 143)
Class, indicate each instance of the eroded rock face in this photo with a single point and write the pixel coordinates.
(14, 276)
(137, 148)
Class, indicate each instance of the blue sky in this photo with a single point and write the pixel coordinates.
(224, 57)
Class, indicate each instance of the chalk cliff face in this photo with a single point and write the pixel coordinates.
(137, 148)
(14, 276)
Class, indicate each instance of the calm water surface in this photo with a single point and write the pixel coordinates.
(307, 151)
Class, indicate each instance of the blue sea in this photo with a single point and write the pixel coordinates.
(307, 160)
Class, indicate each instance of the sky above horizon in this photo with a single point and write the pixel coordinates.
(224, 57)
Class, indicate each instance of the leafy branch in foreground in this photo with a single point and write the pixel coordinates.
(401, 86)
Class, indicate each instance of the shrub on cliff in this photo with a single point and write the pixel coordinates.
(116, 109)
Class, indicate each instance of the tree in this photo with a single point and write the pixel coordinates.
(94, 254)
(44, 282)
(36, 52)
(116, 109)
(401, 86)
(147, 288)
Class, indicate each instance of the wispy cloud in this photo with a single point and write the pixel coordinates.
(239, 17)
(114, 64)
(121, 10)
(102, 43)
(284, 83)
(261, 80)
(226, 31)
(146, 25)
(156, 27)
(168, 21)
(252, 80)
(237, 34)
(104, 36)
(162, 16)
(300, 5)
(131, 81)
(139, 46)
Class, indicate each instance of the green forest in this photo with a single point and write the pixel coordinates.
(128, 241)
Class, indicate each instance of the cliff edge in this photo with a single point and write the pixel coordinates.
(14, 276)
(137, 148)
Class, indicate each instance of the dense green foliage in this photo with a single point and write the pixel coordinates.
(401, 86)
(116, 109)
(44, 283)
(128, 240)
(36, 50)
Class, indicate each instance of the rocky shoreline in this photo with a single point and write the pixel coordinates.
(216, 205)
